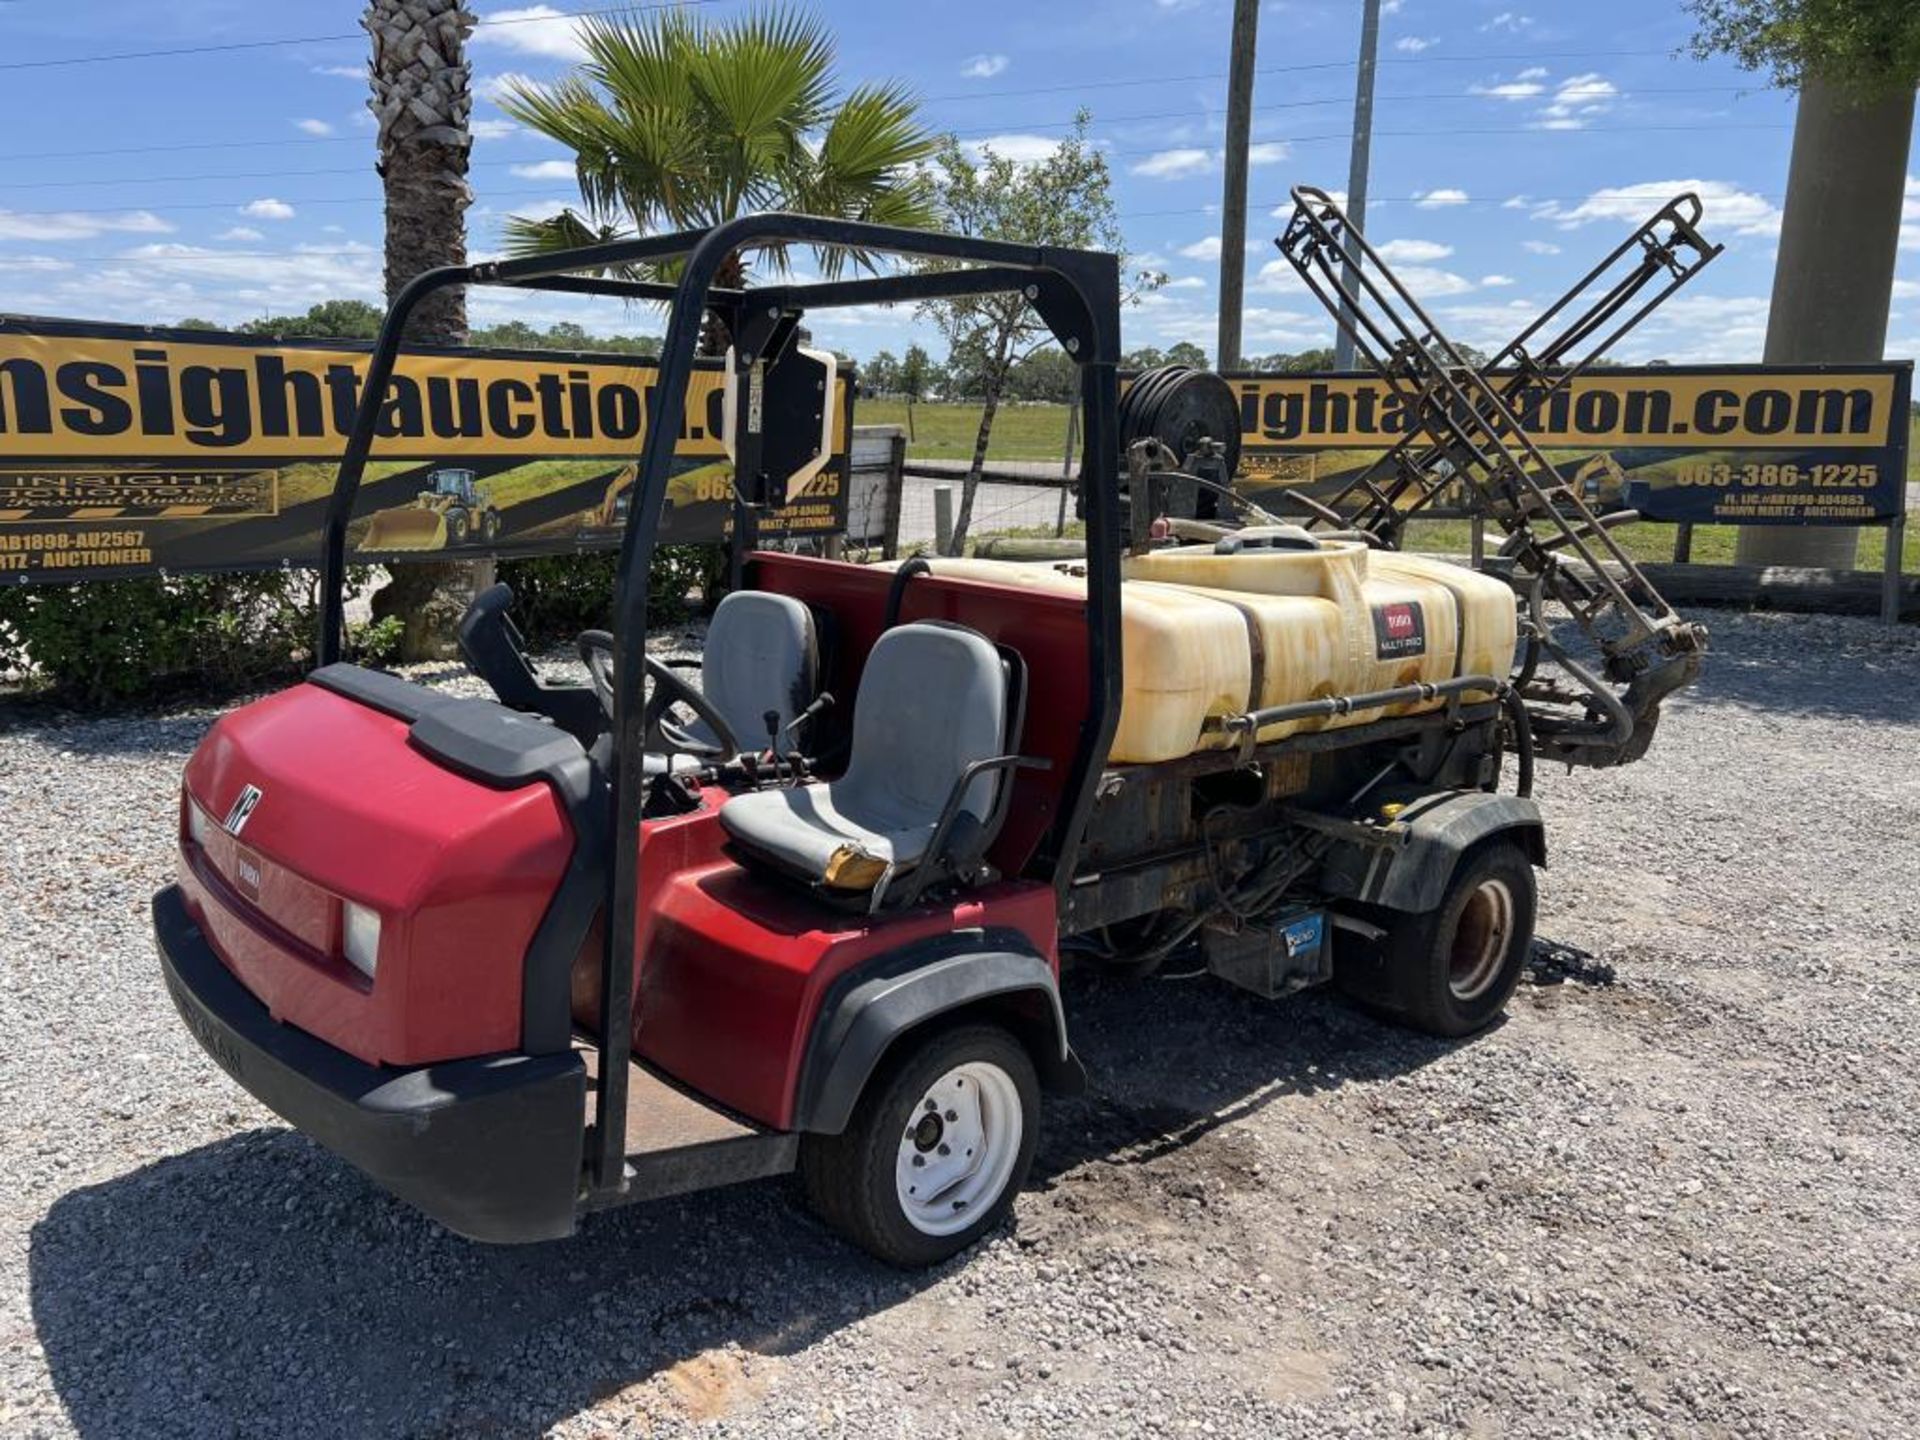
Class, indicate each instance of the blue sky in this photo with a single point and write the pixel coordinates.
(1515, 140)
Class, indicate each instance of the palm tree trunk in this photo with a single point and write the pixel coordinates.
(423, 101)
(1833, 281)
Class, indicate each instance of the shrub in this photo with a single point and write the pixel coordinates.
(555, 597)
(96, 644)
(103, 642)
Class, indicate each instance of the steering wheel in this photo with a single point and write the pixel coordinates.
(669, 689)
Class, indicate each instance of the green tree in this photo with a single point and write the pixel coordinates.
(680, 123)
(1856, 64)
(881, 374)
(1185, 352)
(1064, 198)
(329, 320)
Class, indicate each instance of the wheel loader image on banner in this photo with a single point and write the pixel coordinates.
(451, 511)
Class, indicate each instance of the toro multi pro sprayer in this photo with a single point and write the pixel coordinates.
(804, 906)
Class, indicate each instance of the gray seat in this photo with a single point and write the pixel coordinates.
(761, 654)
(934, 701)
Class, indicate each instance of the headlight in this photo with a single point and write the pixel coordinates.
(361, 938)
(199, 827)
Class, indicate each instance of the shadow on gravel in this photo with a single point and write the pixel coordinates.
(258, 1285)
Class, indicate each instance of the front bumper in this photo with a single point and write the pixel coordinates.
(489, 1148)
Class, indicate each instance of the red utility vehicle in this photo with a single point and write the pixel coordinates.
(522, 958)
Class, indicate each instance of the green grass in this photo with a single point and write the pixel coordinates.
(946, 432)
(1712, 544)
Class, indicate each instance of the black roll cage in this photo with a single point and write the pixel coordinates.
(1075, 292)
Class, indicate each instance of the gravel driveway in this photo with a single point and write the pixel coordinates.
(1677, 1193)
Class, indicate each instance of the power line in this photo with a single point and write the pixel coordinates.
(226, 47)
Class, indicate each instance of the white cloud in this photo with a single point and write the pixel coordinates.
(1268, 152)
(314, 127)
(1413, 252)
(1910, 216)
(495, 87)
(1540, 247)
(240, 232)
(344, 72)
(33, 264)
(1525, 89)
(531, 30)
(1186, 282)
(492, 129)
(77, 224)
(1730, 210)
(1175, 164)
(1906, 289)
(1694, 328)
(1414, 44)
(983, 67)
(1495, 282)
(268, 208)
(1508, 22)
(1438, 199)
(1207, 249)
(1274, 278)
(1020, 149)
(1427, 283)
(1577, 101)
(546, 170)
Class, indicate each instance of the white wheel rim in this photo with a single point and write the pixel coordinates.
(1480, 939)
(958, 1148)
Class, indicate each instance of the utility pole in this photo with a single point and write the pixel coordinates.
(1362, 153)
(1233, 200)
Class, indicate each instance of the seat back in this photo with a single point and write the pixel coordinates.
(933, 700)
(762, 653)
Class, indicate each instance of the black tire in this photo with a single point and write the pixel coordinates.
(456, 527)
(1450, 971)
(849, 1179)
(490, 526)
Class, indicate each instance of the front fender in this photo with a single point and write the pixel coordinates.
(860, 1021)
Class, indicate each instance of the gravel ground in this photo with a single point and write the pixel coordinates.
(1676, 1193)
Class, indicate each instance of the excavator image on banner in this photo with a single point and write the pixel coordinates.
(450, 511)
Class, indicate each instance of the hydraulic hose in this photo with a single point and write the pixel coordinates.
(1516, 709)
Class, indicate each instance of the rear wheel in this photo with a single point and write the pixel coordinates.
(937, 1148)
(1452, 970)
(490, 526)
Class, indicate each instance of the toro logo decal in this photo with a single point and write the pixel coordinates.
(243, 806)
(247, 872)
(1399, 630)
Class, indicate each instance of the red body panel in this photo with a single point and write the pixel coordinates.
(460, 873)
(734, 965)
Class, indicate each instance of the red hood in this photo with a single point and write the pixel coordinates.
(461, 874)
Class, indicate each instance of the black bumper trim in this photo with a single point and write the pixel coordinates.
(490, 1148)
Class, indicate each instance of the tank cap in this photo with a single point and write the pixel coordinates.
(1265, 537)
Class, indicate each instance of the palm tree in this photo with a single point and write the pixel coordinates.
(680, 124)
(423, 99)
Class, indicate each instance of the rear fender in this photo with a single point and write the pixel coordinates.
(987, 975)
(1435, 830)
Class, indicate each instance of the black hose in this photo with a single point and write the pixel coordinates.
(1522, 742)
(897, 591)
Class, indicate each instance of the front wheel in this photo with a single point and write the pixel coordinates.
(937, 1148)
(1452, 970)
